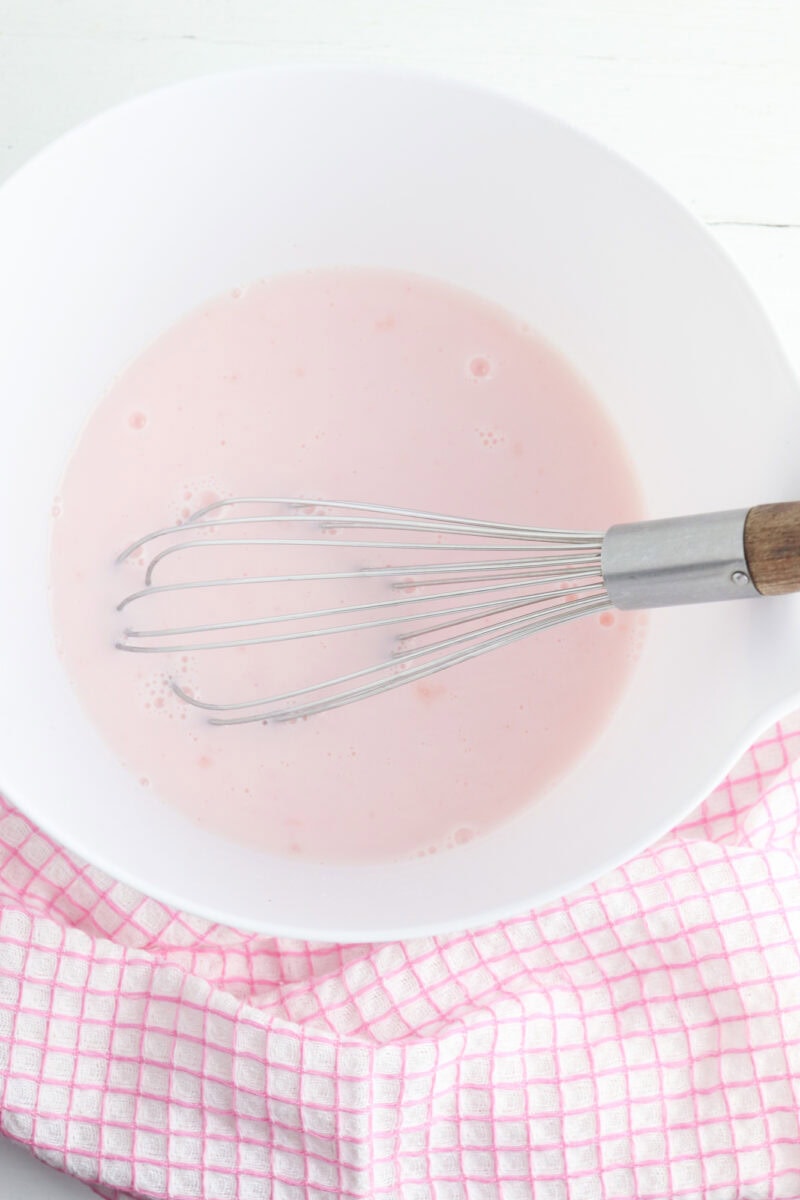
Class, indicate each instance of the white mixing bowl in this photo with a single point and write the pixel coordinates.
(122, 226)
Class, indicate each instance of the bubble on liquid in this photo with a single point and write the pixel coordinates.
(464, 835)
(490, 437)
(137, 420)
(479, 367)
(236, 293)
(607, 619)
(56, 510)
(205, 762)
(144, 781)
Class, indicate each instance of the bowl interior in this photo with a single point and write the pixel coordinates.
(119, 228)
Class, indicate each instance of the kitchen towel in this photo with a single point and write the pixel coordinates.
(639, 1039)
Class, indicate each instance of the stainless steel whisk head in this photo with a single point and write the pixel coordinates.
(488, 584)
(438, 590)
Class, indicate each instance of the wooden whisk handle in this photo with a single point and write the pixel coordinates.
(772, 547)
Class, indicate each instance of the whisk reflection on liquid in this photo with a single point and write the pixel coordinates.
(452, 589)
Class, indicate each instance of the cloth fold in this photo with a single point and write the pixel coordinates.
(640, 1039)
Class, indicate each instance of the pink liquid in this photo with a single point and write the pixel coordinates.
(373, 386)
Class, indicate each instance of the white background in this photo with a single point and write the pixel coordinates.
(704, 94)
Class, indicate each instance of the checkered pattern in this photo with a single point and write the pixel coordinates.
(638, 1040)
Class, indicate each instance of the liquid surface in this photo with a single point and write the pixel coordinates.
(365, 385)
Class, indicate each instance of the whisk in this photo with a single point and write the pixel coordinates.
(444, 589)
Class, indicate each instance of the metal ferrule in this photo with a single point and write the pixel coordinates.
(683, 560)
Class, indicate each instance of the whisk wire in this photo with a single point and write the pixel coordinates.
(514, 631)
(402, 602)
(517, 568)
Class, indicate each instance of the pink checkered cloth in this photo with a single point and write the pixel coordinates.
(640, 1039)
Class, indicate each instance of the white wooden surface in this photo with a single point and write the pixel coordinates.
(704, 94)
